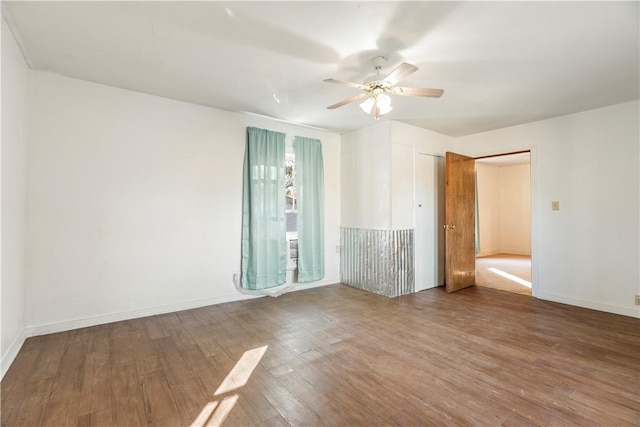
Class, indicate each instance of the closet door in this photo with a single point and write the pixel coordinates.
(426, 211)
(460, 214)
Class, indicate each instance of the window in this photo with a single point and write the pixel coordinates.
(291, 208)
(270, 229)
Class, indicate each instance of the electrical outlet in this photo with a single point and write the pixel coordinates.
(235, 277)
(637, 299)
(338, 249)
(555, 206)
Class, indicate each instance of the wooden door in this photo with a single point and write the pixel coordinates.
(460, 233)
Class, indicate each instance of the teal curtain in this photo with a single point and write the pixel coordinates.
(264, 253)
(310, 192)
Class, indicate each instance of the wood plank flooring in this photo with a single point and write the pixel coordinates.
(337, 356)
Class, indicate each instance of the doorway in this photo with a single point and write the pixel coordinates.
(503, 222)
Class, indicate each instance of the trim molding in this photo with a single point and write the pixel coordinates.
(11, 353)
(509, 251)
(84, 322)
(318, 284)
(515, 251)
(490, 252)
(608, 308)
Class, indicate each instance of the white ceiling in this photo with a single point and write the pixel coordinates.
(499, 63)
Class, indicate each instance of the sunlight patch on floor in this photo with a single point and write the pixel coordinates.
(241, 372)
(510, 277)
(215, 412)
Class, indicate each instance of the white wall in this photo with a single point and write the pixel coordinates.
(489, 208)
(134, 203)
(504, 206)
(423, 140)
(586, 253)
(15, 84)
(403, 186)
(515, 210)
(378, 173)
(366, 178)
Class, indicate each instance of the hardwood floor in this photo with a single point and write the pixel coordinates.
(338, 356)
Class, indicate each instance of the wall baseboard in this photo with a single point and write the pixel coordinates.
(489, 252)
(318, 284)
(608, 308)
(11, 353)
(509, 251)
(515, 251)
(67, 325)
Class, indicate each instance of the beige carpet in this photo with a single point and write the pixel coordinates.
(506, 272)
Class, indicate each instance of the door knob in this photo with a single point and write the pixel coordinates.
(449, 227)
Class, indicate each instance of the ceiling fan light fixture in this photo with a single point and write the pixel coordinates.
(384, 104)
(367, 105)
(376, 89)
(381, 104)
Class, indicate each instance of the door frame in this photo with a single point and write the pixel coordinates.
(533, 172)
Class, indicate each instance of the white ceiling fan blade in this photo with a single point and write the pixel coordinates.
(348, 101)
(340, 82)
(414, 91)
(402, 71)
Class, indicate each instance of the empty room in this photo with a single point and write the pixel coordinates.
(279, 213)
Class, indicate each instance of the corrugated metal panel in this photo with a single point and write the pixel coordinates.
(379, 261)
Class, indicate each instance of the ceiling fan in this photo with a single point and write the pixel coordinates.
(375, 88)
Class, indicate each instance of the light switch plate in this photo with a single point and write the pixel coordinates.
(555, 205)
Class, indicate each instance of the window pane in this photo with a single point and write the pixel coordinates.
(291, 207)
